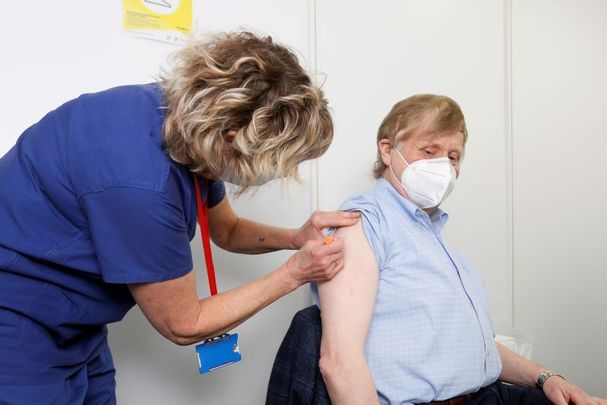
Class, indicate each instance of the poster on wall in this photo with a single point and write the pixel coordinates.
(161, 20)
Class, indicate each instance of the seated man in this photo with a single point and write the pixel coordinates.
(407, 321)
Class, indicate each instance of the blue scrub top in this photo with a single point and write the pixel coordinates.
(89, 202)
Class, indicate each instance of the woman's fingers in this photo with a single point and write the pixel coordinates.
(317, 260)
(334, 219)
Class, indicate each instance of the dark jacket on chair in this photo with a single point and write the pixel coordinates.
(295, 378)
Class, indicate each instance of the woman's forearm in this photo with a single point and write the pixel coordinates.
(253, 237)
(175, 311)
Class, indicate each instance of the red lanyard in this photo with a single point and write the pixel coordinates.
(203, 222)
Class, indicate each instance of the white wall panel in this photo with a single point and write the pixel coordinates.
(560, 184)
(377, 53)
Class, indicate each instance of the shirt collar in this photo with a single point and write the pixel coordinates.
(438, 218)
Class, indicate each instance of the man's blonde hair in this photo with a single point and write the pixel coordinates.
(422, 111)
(239, 81)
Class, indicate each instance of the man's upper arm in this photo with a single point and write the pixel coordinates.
(347, 301)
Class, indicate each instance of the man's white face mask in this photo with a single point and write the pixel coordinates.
(428, 182)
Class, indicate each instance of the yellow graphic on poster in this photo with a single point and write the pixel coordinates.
(163, 20)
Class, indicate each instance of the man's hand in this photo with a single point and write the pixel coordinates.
(561, 392)
(316, 261)
(313, 227)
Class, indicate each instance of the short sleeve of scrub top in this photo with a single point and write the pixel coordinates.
(137, 203)
(139, 235)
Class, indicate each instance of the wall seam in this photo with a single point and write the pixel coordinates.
(314, 185)
(313, 181)
(509, 152)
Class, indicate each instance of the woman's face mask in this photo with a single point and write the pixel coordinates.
(428, 182)
(231, 177)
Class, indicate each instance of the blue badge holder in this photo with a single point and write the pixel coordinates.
(217, 352)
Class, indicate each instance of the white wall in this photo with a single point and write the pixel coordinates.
(530, 77)
(517, 212)
(560, 183)
(376, 54)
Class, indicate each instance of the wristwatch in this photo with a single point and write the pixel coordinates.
(544, 375)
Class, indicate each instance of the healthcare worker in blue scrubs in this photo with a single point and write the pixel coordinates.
(97, 209)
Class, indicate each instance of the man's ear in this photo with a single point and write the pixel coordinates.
(385, 147)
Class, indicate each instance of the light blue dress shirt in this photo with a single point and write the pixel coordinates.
(431, 336)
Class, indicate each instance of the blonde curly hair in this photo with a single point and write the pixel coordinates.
(251, 86)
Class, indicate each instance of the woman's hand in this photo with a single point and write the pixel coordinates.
(316, 261)
(319, 220)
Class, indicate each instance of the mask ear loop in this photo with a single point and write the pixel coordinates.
(399, 181)
(401, 155)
